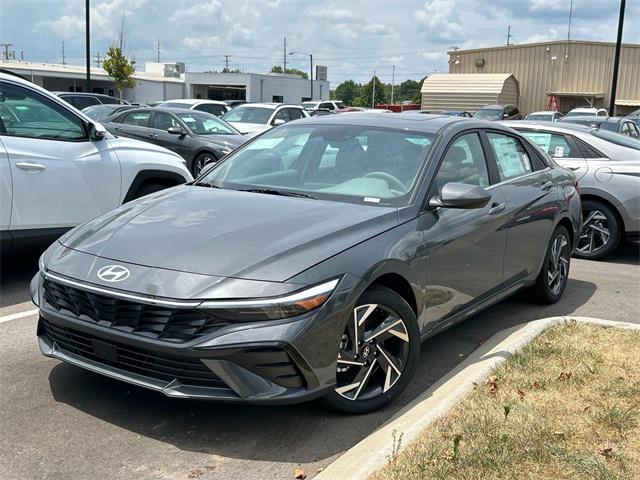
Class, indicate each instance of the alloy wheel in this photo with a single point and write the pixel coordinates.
(558, 268)
(200, 162)
(595, 232)
(374, 350)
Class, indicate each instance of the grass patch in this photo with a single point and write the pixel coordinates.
(566, 407)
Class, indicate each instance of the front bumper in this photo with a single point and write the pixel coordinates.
(275, 362)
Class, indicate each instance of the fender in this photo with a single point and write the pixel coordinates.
(159, 176)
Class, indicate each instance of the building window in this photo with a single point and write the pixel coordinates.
(278, 99)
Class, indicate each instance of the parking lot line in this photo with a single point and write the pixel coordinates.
(15, 316)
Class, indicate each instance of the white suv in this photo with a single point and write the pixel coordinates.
(254, 118)
(587, 112)
(58, 168)
(214, 107)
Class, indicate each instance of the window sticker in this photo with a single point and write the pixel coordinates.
(558, 151)
(512, 162)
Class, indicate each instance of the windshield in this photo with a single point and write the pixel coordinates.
(540, 117)
(618, 139)
(488, 113)
(175, 105)
(99, 112)
(309, 105)
(202, 123)
(340, 105)
(584, 113)
(248, 115)
(377, 166)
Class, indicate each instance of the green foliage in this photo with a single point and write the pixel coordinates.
(292, 71)
(367, 93)
(231, 70)
(358, 95)
(348, 91)
(120, 68)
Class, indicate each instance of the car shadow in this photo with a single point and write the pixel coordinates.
(626, 253)
(299, 434)
(16, 271)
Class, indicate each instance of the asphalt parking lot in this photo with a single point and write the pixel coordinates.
(59, 421)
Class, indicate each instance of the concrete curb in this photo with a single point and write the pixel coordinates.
(371, 453)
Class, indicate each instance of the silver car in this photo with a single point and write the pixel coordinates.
(607, 166)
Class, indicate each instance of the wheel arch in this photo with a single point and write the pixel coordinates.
(145, 177)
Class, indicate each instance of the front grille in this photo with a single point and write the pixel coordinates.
(160, 366)
(151, 321)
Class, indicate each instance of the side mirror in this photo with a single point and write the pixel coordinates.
(97, 132)
(278, 121)
(175, 130)
(461, 195)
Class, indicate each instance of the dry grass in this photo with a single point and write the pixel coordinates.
(566, 407)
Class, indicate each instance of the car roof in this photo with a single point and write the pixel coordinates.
(545, 125)
(495, 106)
(592, 119)
(269, 105)
(542, 112)
(417, 122)
(194, 101)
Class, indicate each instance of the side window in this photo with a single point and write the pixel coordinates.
(139, 119)
(163, 121)
(295, 113)
(555, 145)
(625, 129)
(464, 162)
(511, 157)
(327, 105)
(602, 113)
(32, 115)
(633, 130)
(217, 110)
(283, 114)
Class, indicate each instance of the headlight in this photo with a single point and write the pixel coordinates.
(287, 306)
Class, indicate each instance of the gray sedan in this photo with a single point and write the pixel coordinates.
(312, 261)
(607, 166)
(198, 137)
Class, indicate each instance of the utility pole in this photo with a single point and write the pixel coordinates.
(616, 60)
(87, 43)
(373, 97)
(98, 64)
(63, 59)
(284, 57)
(226, 62)
(6, 49)
(158, 50)
(393, 78)
(509, 35)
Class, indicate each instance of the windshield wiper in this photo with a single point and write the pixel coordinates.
(205, 184)
(284, 193)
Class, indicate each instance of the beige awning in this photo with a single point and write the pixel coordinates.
(628, 103)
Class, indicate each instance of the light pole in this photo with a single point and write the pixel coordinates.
(311, 68)
(87, 40)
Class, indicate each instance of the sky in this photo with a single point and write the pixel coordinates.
(352, 38)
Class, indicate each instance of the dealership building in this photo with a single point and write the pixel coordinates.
(549, 75)
(167, 81)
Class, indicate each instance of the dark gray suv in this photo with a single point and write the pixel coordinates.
(311, 262)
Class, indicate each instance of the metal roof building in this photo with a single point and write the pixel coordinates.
(468, 91)
(576, 73)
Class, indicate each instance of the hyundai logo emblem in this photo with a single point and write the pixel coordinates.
(113, 273)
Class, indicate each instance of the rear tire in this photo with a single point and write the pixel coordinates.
(600, 234)
(554, 273)
(378, 353)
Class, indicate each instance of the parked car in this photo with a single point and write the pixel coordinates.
(620, 125)
(587, 111)
(498, 112)
(545, 116)
(635, 117)
(258, 117)
(235, 103)
(607, 166)
(305, 265)
(101, 112)
(331, 105)
(209, 106)
(198, 137)
(454, 113)
(82, 100)
(311, 106)
(58, 168)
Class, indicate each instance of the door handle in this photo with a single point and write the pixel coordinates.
(30, 166)
(546, 186)
(153, 135)
(497, 207)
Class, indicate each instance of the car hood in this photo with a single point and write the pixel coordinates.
(229, 141)
(228, 233)
(250, 127)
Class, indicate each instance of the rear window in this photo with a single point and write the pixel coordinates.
(618, 139)
(555, 145)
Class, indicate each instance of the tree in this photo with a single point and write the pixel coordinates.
(120, 68)
(417, 98)
(117, 65)
(407, 90)
(367, 93)
(348, 91)
(291, 71)
(231, 70)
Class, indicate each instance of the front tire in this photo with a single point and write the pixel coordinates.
(554, 273)
(200, 162)
(600, 233)
(377, 354)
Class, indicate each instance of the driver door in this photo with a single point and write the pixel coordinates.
(464, 248)
(60, 177)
